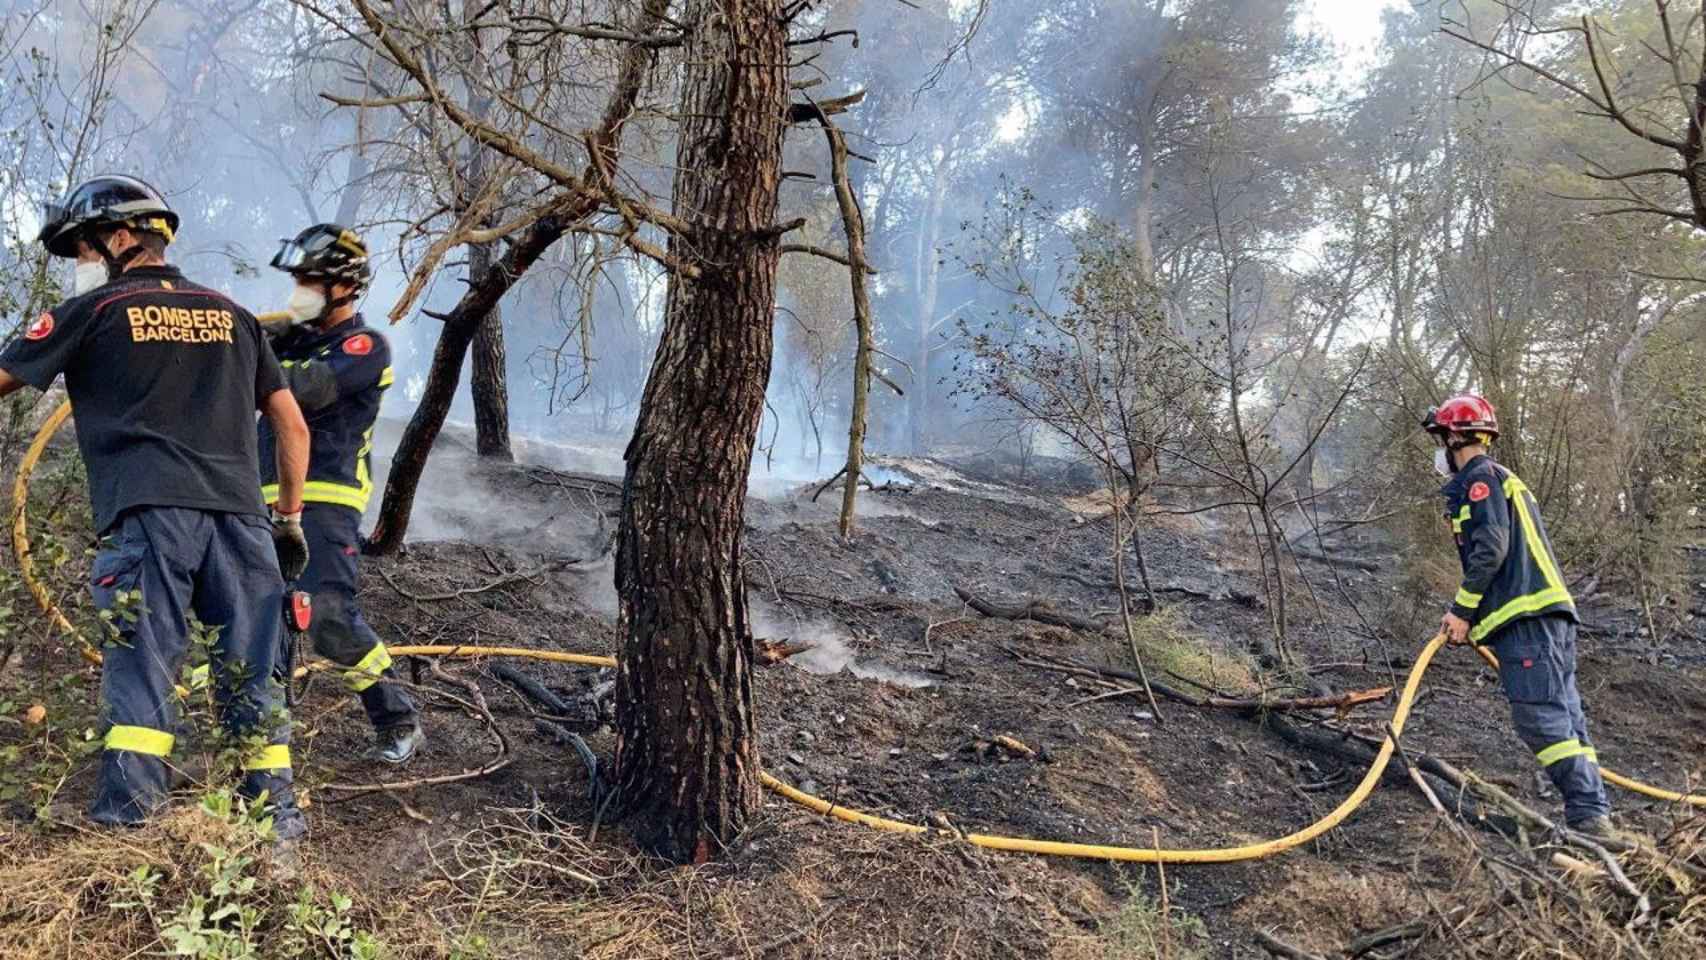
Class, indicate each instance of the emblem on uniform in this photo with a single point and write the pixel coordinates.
(359, 345)
(41, 328)
(1480, 491)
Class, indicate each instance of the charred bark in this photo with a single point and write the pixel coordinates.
(460, 325)
(686, 750)
(490, 378)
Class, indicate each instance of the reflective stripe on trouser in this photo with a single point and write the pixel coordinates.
(1537, 667)
(338, 630)
(158, 566)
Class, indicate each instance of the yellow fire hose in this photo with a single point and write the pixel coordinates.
(1255, 851)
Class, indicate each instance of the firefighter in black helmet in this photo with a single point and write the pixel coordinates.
(339, 367)
(165, 376)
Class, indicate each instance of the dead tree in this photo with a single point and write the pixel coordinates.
(687, 750)
(853, 224)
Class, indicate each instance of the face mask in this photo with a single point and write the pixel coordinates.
(1442, 462)
(305, 304)
(87, 275)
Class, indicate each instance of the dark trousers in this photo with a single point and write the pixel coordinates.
(338, 630)
(1537, 666)
(156, 567)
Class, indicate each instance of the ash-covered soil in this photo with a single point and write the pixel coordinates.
(895, 708)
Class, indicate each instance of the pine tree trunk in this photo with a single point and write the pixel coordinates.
(489, 377)
(686, 752)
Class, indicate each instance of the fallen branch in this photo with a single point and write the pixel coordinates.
(533, 689)
(1338, 701)
(1096, 674)
(1280, 948)
(1367, 566)
(829, 483)
(1111, 694)
(502, 581)
(1039, 611)
(773, 652)
(1413, 930)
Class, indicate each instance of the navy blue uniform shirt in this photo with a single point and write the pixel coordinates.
(165, 376)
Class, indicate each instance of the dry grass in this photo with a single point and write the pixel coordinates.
(71, 891)
(1169, 647)
(795, 887)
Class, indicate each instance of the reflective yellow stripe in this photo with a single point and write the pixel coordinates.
(1562, 750)
(1462, 518)
(366, 672)
(274, 757)
(1467, 599)
(354, 496)
(154, 743)
(1592, 755)
(1555, 593)
(342, 494)
(1532, 603)
(1514, 489)
(321, 491)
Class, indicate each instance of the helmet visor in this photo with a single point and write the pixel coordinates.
(290, 256)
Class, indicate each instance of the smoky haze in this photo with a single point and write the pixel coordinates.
(1282, 212)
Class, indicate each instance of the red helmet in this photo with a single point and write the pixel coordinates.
(1466, 414)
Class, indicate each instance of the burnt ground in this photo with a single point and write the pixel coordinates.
(904, 731)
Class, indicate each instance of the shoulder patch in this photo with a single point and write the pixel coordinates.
(1479, 491)
(359, 345)
(41, 328)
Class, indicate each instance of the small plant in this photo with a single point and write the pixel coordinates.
(226, 912)
(1143, 929)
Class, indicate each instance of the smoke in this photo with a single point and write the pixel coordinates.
(831, 647)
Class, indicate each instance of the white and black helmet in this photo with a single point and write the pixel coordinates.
(112, 200)
(325, 252)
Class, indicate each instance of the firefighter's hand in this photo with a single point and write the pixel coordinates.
(291, 544)
(276, 324)
(1455, 628)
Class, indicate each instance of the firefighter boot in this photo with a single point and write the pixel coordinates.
(396, 745)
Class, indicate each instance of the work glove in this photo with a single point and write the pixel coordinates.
(291, 544)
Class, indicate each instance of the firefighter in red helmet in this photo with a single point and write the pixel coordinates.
(1513, 598)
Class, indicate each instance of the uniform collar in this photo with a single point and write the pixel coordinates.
(159, 271)
(1457, 480)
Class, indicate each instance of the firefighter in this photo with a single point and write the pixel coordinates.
(1513, 597)
(338, 367)
(165, 376)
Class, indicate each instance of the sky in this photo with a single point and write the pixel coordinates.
(1353, 25)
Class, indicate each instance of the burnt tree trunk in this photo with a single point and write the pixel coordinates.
(484, 292)
(460, 326)
(686, 750)
(490, 378)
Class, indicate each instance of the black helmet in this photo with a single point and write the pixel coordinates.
(326, 252)
(111, 200)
